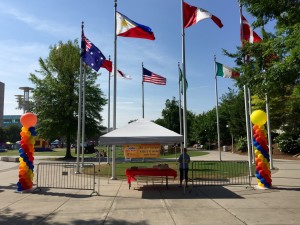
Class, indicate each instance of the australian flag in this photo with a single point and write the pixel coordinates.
(90, 54)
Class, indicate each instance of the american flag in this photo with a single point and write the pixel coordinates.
(151, 77)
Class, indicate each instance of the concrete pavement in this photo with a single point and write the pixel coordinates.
(154, 204)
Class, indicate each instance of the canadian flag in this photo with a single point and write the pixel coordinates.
(193, 15)
(247, 33)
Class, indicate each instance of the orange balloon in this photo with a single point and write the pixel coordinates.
(28, 119)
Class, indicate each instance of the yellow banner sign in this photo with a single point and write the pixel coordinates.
(142, 150)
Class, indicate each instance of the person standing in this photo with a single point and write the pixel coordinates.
(184, 160)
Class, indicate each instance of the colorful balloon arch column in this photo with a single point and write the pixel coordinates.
(28, 120)
(262, 157)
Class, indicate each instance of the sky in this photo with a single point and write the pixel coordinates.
(30, 27)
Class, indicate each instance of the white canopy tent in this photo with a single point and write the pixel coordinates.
(141, 132)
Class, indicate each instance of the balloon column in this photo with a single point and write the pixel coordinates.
(262, 157)
(28, 120)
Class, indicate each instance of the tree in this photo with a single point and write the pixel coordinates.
(274, 63)
(2, 135)
(170, 117)
(13, 133)
(204, 130)
(56, 95)
(232, 113)
(272, 66)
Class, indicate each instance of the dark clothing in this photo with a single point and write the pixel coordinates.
(184, 164)
(184, 174)
(184, 160)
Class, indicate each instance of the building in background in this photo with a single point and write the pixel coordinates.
(2, 87)
(11, 120)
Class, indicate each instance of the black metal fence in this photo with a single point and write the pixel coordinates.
(220, 173)
(66, 176)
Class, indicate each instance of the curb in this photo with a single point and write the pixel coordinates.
(9, 159)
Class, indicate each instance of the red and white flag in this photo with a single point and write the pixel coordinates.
(248, 34)
(193, 15)
(123, 75)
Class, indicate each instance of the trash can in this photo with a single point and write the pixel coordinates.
(225, 148)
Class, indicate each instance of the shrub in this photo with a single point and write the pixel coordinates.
(242, 144)
(287, 144)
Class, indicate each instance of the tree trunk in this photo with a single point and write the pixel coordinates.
(68, 150)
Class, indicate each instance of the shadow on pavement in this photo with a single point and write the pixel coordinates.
(175, 192)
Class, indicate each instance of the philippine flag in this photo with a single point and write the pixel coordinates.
(128, 28)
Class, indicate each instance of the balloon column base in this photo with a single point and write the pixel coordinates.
(261, 188)
(25, 191)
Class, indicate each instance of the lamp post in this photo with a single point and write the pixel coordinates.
(228, 126)
(26, 98)
(20, 101)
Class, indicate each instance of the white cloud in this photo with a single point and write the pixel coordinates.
(37, 23)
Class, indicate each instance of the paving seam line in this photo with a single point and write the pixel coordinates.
(244, 222)
(42, 220)
(163, 200)
(112, 202)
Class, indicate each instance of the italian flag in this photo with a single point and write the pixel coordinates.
(225, 71)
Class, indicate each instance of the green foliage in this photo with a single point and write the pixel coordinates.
(288, 144)
(2, 135)
(56, 91)
(242, 144)
(270, 67)
(171, 119)
(12, 133)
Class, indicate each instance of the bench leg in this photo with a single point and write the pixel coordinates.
(167, 181)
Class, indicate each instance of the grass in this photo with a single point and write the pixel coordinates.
(119, 153)
(104, 169)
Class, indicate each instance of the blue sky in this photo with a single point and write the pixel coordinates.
(29, 27)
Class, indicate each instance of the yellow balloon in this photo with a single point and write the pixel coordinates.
(262, 127)
(258, 117)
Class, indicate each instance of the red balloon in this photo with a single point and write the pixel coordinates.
(28, 119)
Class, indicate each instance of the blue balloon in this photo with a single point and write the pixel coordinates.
(259, 147)
(20, 188)
(254, 141)
(32, 131)
(267, 185)
(263, 180)
(21, 150)
(258, 176)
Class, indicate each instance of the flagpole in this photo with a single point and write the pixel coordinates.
(269, 133)
(79, 107)
(250, 126)
(184, 78)
(113, 175)
(108, 116)
(246, 101)
(143, 103)
(179, 94)
(83, 116)
(217, 109)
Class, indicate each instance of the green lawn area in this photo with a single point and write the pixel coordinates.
(105, 169)
(119, 153)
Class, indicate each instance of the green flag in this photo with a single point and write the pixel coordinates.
(180, 81)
